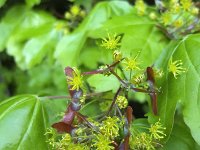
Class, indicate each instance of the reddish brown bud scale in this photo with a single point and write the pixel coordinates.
(153, 95)
(129, 114)
(69, 116)
(62, 127)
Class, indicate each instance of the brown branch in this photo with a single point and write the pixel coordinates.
(114, 100)
(69, 97)
(99, 71)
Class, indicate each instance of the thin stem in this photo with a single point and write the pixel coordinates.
(130, 74)
(84, 119)
(119, 111)
(114, 100)
(99, 71)
(56, 97)
(124, 84)
(141, 90)
(122, 81)
(69, 97)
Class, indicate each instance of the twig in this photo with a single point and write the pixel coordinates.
(99, 71)
(69, 97)
(114, 100)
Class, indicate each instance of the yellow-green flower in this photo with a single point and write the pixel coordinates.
(68, 15)
(75, 9)
(111, 42)
(132, 64)
(74, 13)
(76, 81)
(166, 18)
(82, 99)
(117, 55)
(76, 146)
(178, 23)
(121, 101)
(176, 67)
(102, 142)
(142, 141)
(65, 141)
(93, 122)
(51, 135)
(195, 11)
(157, 131)
(60, 26)
(186, 4)
(137, 79)
(158, 73)
(104, 105)
(110, 127)
(152, 15)
(106, 71)
(175, 7)
(141, 7)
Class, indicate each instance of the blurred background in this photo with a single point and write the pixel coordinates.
(30, 30)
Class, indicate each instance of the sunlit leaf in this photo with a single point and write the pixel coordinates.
(32, 2)
(22, 123)
(181, 137)
(2, 2)
(184, 89)
(140, 35)
(103, 83)
(71, 45)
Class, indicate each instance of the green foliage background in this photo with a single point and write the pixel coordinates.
(38, 53)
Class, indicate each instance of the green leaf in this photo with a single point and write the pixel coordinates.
(91, 109)
(44, 79)
(55, 113)
(71, 45)
(103, 83)
(38, 47)
(5, 31)
(185, 89)
(90, 62)
(181, 138)
(2, 2)
(32, 2)
(168, 97)
(139, 125)
(9, 22)
(22, 123)
(29, 39)
(139, 34)
(33, 23)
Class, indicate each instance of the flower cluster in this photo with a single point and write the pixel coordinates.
(112, 42)
(110, 127)
(142, 141)
(83, 138)
(148, 140)
(180, 18)
(131, 64)
(122, 102)
(140, 7)
(72, 18)
(117, 55)
(101, 142)
(76, 81)
(138, 79)
(176, 67)
(62, 27)
(74, 13)
(157, 131)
